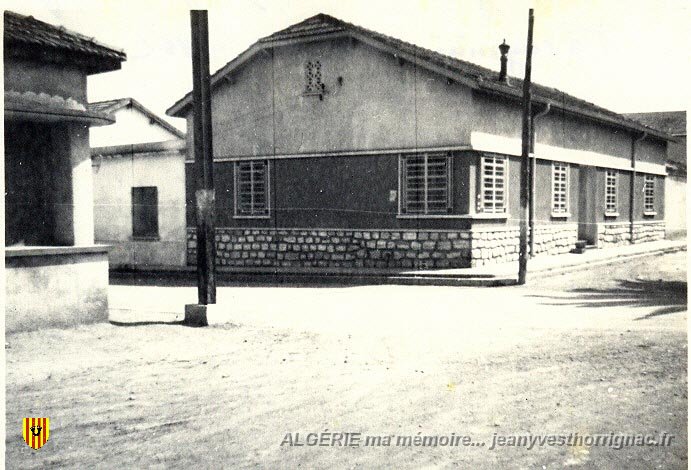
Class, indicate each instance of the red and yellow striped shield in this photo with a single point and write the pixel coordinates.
(36, 431)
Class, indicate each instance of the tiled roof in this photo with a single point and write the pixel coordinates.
(480, 77)
(26, 32)
(672, 122)
(110, 106)
(42, 106)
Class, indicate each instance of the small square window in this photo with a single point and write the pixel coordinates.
(425, 183)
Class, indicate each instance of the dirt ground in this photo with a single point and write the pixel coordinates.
(594, 352)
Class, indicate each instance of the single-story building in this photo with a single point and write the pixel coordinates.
(139, 187)
(336, 146)
(54, 273)
(674, 123)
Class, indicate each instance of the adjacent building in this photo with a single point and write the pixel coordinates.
(139, 187)
(336, 146)
(54, 273)
(674, 123)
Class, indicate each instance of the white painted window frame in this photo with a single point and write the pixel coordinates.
(612, 209)
(649, 199)
(504, 209)
(557, 211)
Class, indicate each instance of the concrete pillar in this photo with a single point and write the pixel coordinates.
(82, 186)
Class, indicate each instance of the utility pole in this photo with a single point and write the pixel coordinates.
(525, 157)
(203, 164)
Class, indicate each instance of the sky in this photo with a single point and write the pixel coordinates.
(627, 56)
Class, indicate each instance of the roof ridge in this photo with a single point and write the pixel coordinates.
(62, 29)
(118, 103)
(485, 77)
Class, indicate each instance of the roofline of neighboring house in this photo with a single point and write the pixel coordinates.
(145, 147)
(266, 44)
(640, 117)
(124, 102)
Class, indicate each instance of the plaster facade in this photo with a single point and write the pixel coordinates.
(334, 157)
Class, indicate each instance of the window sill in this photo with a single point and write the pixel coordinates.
(611, 214)
(486, 216)
(429, 216)
(142, 238)
(649, 213)
(251, 217)
(560, 215)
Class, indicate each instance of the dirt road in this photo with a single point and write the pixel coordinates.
(590, 353)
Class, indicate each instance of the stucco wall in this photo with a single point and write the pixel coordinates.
(559, 136)
(675, 205)
(58, 290)
(378, 104)
(114, 178)
(333, 192)
(131, 127)
(40, 77)
(543, 193)
(48, 184)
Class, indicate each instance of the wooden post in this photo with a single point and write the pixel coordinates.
(525, 157)
(203, 158)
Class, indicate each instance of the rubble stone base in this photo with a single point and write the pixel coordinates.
(501, 244)
(406, 249)
(619, 233)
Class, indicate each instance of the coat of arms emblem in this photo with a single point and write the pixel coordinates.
(36, 431)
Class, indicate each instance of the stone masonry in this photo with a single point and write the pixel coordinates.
(648, 231)
(402, 249)
(619, 233)
(500, 244)
(406, 249)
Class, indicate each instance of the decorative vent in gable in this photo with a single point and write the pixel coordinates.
(313, 79)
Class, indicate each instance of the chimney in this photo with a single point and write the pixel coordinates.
(504, 49)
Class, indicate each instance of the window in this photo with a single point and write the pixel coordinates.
(425, 183)
(252, 189)
(649, 194)
(493, 185)
(560, 188)
(145, 212)
(611, 192)
(313, 76)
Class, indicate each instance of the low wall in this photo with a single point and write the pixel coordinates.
(55, 287)
(500, 244)
(619, 233)
(142, 253)
(405, 249)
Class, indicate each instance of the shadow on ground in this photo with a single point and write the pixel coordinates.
(240, 280)
(668, 296)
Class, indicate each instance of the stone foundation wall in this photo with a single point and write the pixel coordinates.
(648, 231)
(500, 245)
(619, 233)
(613, 234)
(405, 249)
